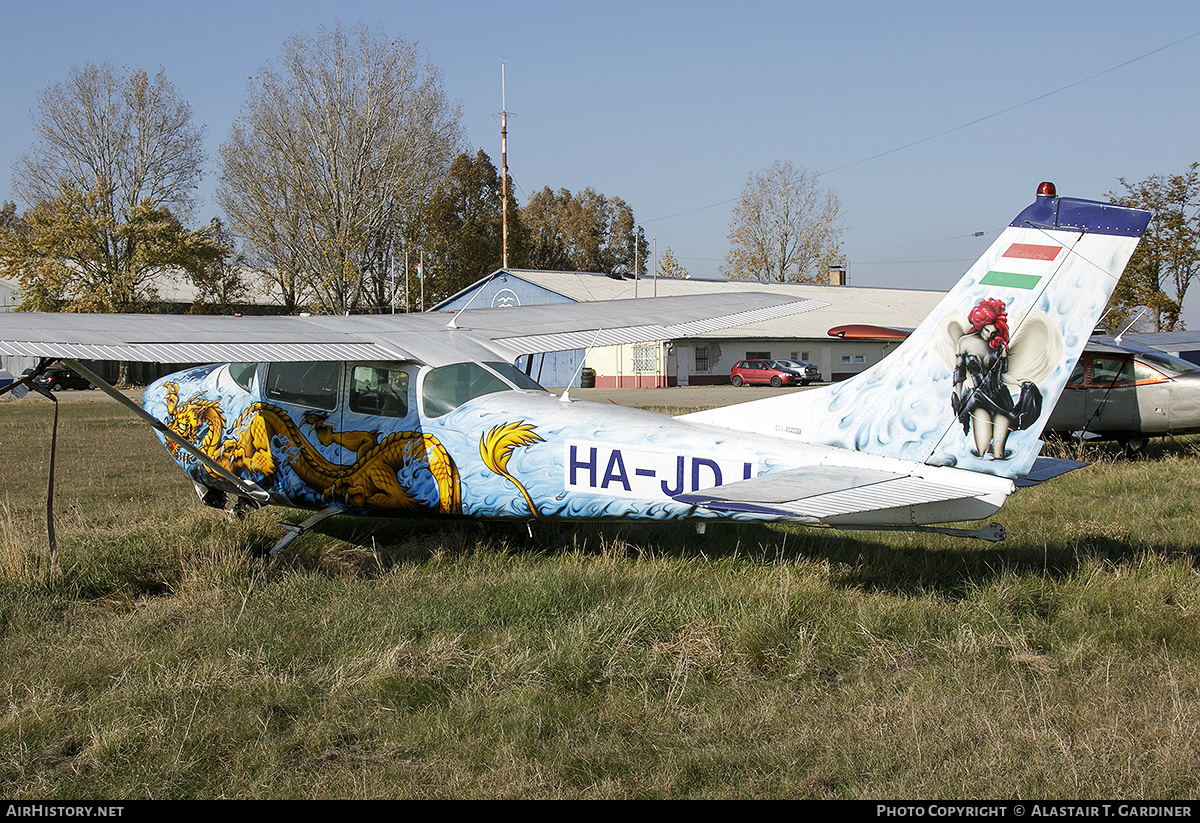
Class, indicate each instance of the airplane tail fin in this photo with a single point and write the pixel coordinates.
(974, 384)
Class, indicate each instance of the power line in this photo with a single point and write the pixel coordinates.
(1012, 108)
(959, 127)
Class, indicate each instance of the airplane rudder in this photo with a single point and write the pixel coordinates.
(1000, 345)
(1027, 320)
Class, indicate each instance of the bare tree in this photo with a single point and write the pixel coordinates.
(785, 227)
(109, 180)
(339, 144)
(129, 139)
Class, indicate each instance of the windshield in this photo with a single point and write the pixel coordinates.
(1167, 361)
(515, 376)
(446, 388)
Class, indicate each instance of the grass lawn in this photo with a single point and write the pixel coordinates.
(433, 659)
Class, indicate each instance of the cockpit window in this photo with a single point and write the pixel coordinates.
(1168, 361)
(1111, 371)
(448, 387)
(1076, 378)
(379, 390)
(242, 374)
(311, 384)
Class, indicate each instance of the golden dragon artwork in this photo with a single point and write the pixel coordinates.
(497, 446)
(373, 480)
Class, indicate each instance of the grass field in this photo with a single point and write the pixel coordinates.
(429, 659)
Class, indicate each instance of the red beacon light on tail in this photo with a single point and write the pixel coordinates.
(1047, 190)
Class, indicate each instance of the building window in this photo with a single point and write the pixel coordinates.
(860, 359)
(645, 357)
(701, 355)
(758, 355)
(845, 360)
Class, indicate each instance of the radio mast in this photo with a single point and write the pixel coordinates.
(503, 174)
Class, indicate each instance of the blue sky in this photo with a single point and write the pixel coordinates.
(931, 120)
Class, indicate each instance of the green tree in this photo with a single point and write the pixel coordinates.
(1169, 252)
(111, 174)
(582, 232)
(463, 220)
(69, 255)
(785, 228)
(668, 266)
(338, 148)
(220, 285)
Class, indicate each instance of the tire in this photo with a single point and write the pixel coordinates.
(776, 382)
(737, 381)
(56, 387)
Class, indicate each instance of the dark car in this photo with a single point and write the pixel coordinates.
(805, 372)
(57, 378)
(762, 371)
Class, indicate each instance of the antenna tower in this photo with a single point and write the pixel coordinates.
(503, 174)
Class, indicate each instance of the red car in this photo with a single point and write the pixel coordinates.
(761, 371)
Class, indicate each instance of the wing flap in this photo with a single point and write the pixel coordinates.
(1047, 468)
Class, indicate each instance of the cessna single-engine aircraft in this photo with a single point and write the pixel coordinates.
(419, 415)
(1129, 390)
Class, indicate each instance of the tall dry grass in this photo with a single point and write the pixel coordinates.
(443, 659)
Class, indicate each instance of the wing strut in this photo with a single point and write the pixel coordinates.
(294, 531)
(246, 487)
(19, 388)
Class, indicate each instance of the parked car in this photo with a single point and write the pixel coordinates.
(805, 372)
(762, 371)
(58, 378)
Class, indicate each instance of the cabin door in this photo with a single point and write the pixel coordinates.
(303, 413)
(388, 458)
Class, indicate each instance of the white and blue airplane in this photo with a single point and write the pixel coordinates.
(425, 415)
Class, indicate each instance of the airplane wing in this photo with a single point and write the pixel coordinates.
(562, 326)
(433, 338)
(1167, 341)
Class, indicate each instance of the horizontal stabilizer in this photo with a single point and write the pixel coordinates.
(1048, 468)
(824, 493)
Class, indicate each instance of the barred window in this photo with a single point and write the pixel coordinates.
(701, 355)
(645, 357)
